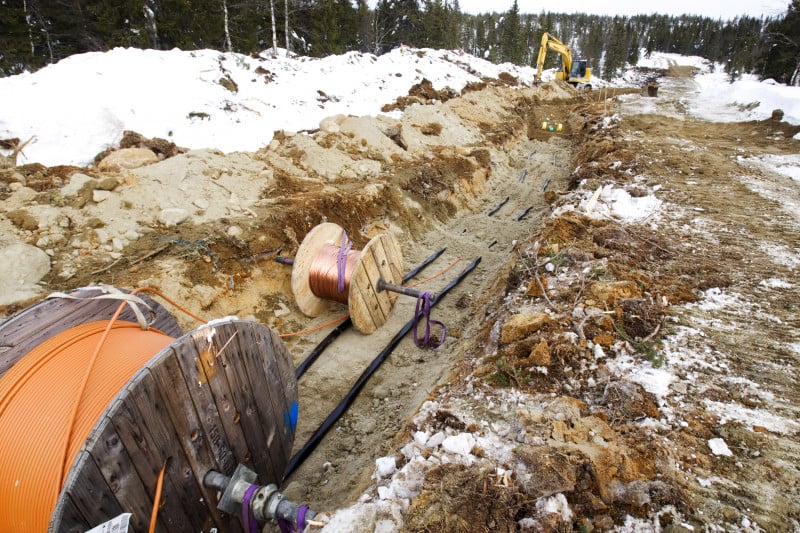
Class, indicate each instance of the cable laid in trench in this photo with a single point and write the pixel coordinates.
(340, 409)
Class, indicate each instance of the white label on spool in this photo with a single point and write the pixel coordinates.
(118, 524)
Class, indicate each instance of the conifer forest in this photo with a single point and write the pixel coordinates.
(35, 33)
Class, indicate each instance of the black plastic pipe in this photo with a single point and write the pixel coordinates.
(341, 328)
(298, 458)
(524, 213)
(501, 204)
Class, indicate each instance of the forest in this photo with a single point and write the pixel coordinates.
(35, 33)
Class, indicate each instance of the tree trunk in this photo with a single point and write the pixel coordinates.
(286, 24)
(274, 34)
(228, 45)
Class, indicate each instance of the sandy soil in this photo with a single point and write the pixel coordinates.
(577, 424)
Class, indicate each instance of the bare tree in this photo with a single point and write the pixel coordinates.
(274, 34)
(228, 45)
(286, 24)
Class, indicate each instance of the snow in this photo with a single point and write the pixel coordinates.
(719, 447)
(81, 105)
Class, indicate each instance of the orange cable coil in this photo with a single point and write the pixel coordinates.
(38, 439)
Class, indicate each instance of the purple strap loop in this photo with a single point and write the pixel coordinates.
(423, 310)
(248, 520)
(288, 527)
(341, 260)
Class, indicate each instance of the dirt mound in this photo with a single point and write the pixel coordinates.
(421, 93)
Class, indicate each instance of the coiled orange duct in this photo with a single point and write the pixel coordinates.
(49, 402)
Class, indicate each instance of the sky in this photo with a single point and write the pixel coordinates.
(80, 106)
(726, 9)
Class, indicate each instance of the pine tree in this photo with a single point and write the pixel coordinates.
(781, 56)
(511, 36)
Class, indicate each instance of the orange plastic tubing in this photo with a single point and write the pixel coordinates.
(45, 418)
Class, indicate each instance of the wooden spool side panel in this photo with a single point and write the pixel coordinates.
(252, 397)
(90, 493)
(197, 445)
(370, 309)
(110, 456)
(23, 332)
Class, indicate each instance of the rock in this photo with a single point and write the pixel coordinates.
(21, 267)
(534, 289)
(127, 158)
(610, 292)
(76, 184)
(777, 115)
(331, 124)
(172, 216)
(100, 196)
(540, 354)
(108, 183)
(521, 325)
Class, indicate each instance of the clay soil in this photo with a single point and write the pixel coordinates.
(614, 449)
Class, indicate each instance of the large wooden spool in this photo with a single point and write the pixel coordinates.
(28, 328)
(222, 394)
(369, 307)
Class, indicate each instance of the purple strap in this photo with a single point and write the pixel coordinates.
(424, 309)
(248, 520)
(288, 527)
(341, 260)
(301, 517)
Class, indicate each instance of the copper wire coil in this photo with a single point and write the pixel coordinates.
(323, 276)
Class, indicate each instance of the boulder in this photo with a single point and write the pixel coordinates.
(127, 158)
(521, 325)
(22, 266)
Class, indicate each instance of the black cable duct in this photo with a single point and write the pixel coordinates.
(340, 409)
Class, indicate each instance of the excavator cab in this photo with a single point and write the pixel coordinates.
(579, 67)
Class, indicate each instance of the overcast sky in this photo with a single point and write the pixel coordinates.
(725, 9)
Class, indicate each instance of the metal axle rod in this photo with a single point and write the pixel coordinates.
(383, 285)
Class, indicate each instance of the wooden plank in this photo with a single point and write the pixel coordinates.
(286, 373)
(252, 393)
(184, 493)
(108, 453)
(66, 517)
(89, 491)
(196, 443)
(203, 402)
(209, 371)
(144, 453)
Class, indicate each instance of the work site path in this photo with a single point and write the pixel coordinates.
(733, 353)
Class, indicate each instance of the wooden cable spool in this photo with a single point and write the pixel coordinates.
(220, 395)
(369, 306)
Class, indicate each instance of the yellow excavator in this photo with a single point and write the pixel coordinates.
(575, 72)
